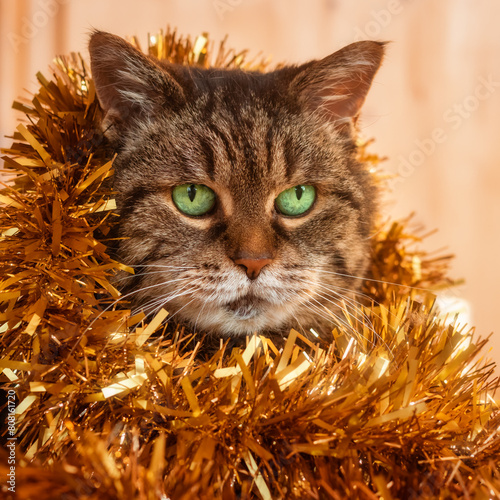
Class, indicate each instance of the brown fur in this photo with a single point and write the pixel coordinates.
(247, 136)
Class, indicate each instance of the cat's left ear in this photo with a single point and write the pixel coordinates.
(130, 86)
(335, 87)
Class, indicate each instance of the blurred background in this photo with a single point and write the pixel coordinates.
(434, 108)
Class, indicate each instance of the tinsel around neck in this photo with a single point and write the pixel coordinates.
(109, 405)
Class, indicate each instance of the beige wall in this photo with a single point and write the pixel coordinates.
(434, 109)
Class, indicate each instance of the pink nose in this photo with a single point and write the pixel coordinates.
(253, 266)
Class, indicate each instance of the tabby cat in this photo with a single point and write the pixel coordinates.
(243, 205)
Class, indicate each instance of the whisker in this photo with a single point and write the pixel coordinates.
(159, 302)
(335, 317)
(352, 301)
(368, 279)
(205, 302)
(121, 298)
(356, 307)
(332, 318)
(155, 311)
(179, 310)
(304, 332)
(367, 323)
(162, 300)
(316, 310)
(159, 265)
(356, 292)
(149, 273)
(152, 308)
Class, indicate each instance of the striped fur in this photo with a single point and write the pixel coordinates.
(247, 136)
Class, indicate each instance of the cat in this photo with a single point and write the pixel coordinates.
(243, 206)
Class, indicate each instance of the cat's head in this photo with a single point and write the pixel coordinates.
(243, 207)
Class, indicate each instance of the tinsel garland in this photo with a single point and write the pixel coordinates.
(109, 406)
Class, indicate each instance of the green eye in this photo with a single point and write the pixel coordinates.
(193, 199)
(295, 201)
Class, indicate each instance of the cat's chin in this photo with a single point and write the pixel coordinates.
(246, 308)
(243, 317)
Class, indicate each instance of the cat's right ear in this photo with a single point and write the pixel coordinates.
(335, 87)
(130, 86)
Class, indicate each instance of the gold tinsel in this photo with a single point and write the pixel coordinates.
(401, 405)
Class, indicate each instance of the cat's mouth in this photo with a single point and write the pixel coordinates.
(246, 307)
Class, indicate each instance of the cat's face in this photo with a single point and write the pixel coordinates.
(243, 207)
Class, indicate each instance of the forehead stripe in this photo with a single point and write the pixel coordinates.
(209, 156)
(225, 141)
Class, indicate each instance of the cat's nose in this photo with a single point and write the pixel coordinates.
(253, 266)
